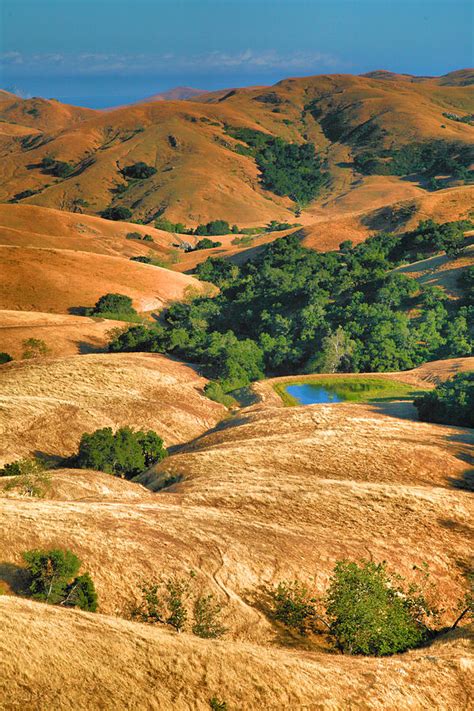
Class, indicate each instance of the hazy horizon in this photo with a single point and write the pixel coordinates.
(102, 53)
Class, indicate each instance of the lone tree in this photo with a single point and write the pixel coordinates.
(113, 303)
(27, 476)
(125, 453)
(54, 579)
(117, 213)
(138, 171)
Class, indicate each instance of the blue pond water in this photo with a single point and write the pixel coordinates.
(312, 394)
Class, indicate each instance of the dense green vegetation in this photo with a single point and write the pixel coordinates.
(451, 403)
(125, 453)
(53, 578)
(138, 171)
(294, 310)
(287, 168)
(207, 243)
(117, 213)
(139, 236)
(349, 389)
(114, 306)
(366, 610)
(58, 168)
(428, 159)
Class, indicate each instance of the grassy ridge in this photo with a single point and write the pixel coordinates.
(350, 389)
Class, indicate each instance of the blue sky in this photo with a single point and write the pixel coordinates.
(106, 52)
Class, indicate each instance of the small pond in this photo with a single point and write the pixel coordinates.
(313, 394)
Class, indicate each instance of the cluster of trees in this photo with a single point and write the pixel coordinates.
(427, 158)
(138, 171)
(219, 227)
(207, 243)
(139, 236)
(117, 213)
(124, 453)
(288, 169)
(451, 403)
(58, 168)
(366, 609)
(294, 310)
(53, 578)
(173, 601)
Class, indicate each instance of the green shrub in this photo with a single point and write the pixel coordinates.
(142, 259)
(214, 227)
(295, 606)
(207, 243)
(5, 357)
(117, 213)
(216, 705)
(125, 453)
(451, 403)
(169, 601)
(58, 168)
(34, 348)
(53, 579)
(206, 618)
(213, 390)
(113, 305)
(29, 477)
(371, 612)
(138, 171)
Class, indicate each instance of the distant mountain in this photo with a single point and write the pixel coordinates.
(179, 93)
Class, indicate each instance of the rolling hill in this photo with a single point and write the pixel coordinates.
(202, 172)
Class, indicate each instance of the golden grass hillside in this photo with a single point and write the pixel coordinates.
(199, 175)
(67, 659)
(63, 281)
(47, 404)
(63, 335)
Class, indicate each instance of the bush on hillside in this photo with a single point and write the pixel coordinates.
(116, 304)
(54, 579)
(451, 403)
(58, 168)
(29, 477)
(125, 453)
(138, 171)
(172, 601)
(365, 611)
(207, 243)
(117, 213)
(214, 227)
(34, 348)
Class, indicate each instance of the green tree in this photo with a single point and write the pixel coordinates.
(206, 617)
(117, 213)
(126, 453)
(138, 171)
(53, 579)
(371, 612)
(113, 303)
(450, 403)
(28, 477)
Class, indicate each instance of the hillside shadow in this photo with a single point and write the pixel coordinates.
(465, 480)
(16, 578)
(84, 348)
(50, 460)
(401, 409)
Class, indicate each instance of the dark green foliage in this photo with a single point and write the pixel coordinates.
(451, 403)
(292, 309)
(373, 613)
(117, 213)
(113, 303)
(207, 243)
(24, 194)
(138, 171)
(215, 227)
(142, 259)
(53, 579)
(81, 593)
(294, 604)
(58, 168)
(287, 168)
(216, 705)
(162, 223)
(428, 158)
(214, 391)
(5, 357)
(466, 282)
(125, 453)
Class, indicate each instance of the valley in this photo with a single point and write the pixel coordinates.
(341, 209)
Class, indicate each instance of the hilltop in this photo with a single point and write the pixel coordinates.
(203, 172)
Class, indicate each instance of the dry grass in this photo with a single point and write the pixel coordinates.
(63, 335)
(67, 659)
(47, 404)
